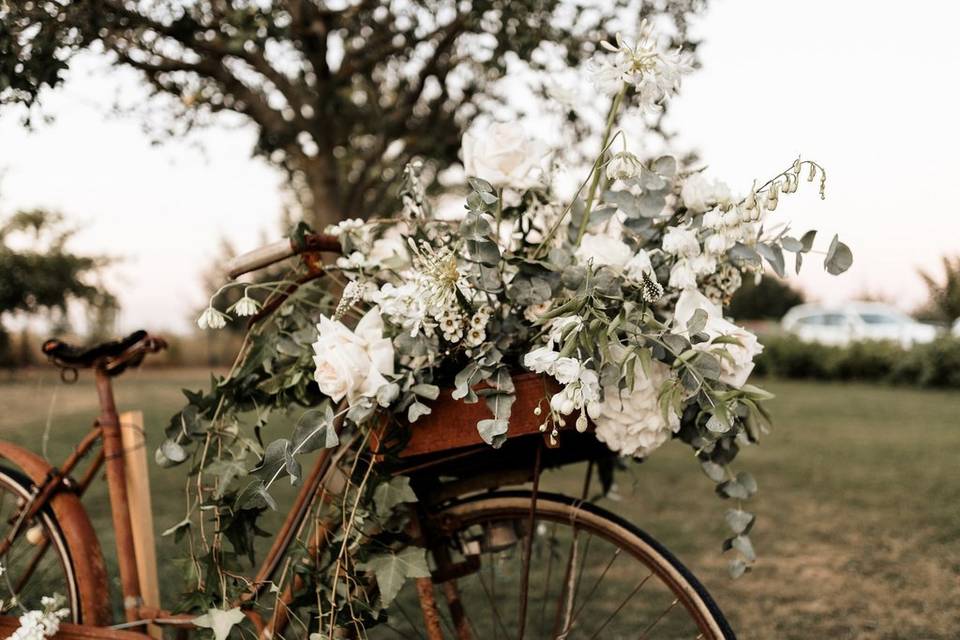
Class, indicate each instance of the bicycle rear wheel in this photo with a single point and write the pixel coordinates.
(592, 575)
(37, 561)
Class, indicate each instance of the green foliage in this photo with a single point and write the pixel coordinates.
(768, 300)
(343, 98)
(934, 365)
(46, 277)
(944, 302)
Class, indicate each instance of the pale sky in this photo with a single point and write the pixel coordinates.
(868, 88)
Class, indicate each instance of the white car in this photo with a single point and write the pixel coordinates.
(842, 324)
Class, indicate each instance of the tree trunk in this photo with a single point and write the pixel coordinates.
(319, 193)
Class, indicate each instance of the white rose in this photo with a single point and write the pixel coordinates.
(737, 364)
(352, 363)
(682, 276)
(632, 423)
(603, 250)
(502, 154)
(566, 370)
(681, 242)
(540, 360)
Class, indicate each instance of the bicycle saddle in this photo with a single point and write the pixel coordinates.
(83, 357)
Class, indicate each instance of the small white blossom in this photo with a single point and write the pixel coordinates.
(699, 194)
(638, 265)
(566, 370)
(540, 360)
(654, 74)
(565, 325)
(344, 226)
(245, 306)
(681, 242)
(623, 166)
(682, 276)
(212, 319)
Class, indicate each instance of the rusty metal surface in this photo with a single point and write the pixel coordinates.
(77, 531)
(119, 506)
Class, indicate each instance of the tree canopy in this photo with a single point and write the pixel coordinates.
(343, 94)
(943, 304)
(39, 274)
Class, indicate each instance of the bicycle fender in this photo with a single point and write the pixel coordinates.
(85, 552)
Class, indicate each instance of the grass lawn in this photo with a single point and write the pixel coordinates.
(859, 504)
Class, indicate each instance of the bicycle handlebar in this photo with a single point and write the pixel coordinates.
(281, 250)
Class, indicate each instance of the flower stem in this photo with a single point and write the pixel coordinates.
(604, 144)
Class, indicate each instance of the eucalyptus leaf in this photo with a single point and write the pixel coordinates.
(172, 451)
(273, 461)
(742, 544)
(416, 410)
(493, 432)
(774, 256)
(713, 470)
(839, 257)
(739, 521)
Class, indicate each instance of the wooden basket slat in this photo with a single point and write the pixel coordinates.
(452, 424)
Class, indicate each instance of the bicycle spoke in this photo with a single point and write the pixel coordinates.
(406, 617)
(571, 560)
(659, 618)
(613, 615)
(496, 611)
(593, 589)
(546, 583)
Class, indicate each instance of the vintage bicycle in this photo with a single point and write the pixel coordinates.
(583, 571)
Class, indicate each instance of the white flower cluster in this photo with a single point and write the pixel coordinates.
(632, 423)
(581, 391)
(691, 261)
(653, 73)
(39, 625)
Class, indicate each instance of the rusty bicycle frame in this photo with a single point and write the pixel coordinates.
(56, 489)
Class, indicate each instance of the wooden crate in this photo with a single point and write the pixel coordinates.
(452, 424)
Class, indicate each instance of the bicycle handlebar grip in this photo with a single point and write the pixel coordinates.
(259, 258)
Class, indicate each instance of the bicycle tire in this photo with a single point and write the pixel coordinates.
(515, 506)
(19, 485)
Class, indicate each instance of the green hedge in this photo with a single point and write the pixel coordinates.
(935, 365)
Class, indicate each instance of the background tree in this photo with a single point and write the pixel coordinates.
(39, 275)
(944, 301)
(768, 300)
(342, 96)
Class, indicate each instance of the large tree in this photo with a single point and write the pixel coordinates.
(343, 93)
(40, 275)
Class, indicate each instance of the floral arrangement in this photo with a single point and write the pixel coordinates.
(616, 294)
